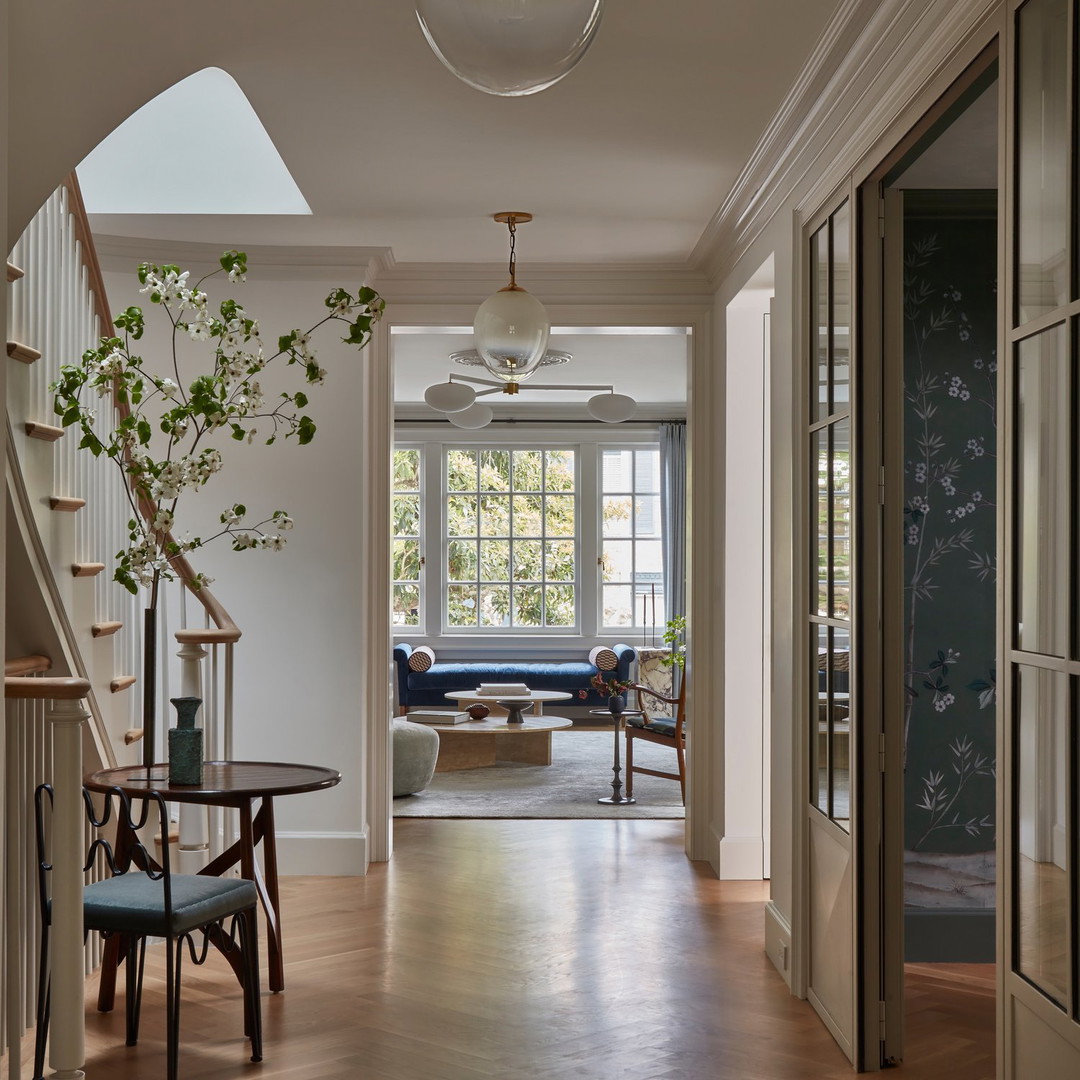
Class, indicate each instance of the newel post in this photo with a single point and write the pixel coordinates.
(67, 1049)
(194, 845)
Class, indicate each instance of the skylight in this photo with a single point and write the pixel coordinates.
(197, 148)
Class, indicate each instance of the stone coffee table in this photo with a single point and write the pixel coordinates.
(477, 743)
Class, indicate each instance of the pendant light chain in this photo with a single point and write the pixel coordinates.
(513, 245)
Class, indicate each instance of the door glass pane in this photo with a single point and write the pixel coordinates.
(819, 724)
(819, 443)
(1041, 480)
(841, 306)
(1042, 275)
(840, 543)
(1041, 829)
(819, 314)
(839, 663)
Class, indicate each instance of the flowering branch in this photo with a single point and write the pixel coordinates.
(228, 397)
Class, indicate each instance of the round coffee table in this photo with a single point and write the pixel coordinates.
(514, 704)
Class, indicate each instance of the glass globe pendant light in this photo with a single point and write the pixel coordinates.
(509, 47)
(511, 327)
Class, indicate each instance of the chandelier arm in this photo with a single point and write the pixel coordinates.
(455, 377)
(569, 386)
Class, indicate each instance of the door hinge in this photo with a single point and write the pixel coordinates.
(881, 218)
(881, 757)
(881, 485)
(881, 1020)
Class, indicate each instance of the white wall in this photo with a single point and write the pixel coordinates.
(298, 679)
(745, 567)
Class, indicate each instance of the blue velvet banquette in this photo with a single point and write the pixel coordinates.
(429, 688)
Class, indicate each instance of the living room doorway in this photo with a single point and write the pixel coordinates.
(447, 597)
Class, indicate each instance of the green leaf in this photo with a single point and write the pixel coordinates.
(71, 415)
(305, 430)
(300, 400)
(144, 432)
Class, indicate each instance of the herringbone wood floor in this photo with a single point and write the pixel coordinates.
(531, 950)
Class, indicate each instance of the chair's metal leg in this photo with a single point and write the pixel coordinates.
(252, 995)
(173, 959)
(42, 1034)
(136, 958)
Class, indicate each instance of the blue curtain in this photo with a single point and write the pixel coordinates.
(673, 513)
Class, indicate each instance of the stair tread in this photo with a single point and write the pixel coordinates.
(133, 735)
(121, 682)
(87, 569)
(104, 629)
(24, 353)
(66, 503)
(47, 432)
(13, 272)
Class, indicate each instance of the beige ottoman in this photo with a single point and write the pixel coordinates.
(416, 749)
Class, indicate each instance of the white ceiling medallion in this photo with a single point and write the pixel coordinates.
(509, 47)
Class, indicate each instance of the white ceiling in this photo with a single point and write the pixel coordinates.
(625, 160)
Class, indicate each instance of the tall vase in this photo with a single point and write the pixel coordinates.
(185, 743)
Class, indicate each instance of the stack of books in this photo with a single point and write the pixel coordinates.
(437, 716)
(507, 689)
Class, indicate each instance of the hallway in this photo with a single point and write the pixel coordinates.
(529, 950)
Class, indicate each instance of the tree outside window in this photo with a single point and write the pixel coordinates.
(511, 538)
(407, 496)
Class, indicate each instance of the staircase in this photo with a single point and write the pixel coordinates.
(67, 619)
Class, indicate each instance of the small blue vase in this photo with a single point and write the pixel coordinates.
(616, 703)
(185, 744)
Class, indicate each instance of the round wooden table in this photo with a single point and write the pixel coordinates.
(236, 784)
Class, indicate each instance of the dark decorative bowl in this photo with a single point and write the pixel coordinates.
(478, 711)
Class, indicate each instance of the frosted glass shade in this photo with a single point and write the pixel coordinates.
(509, 47)
(449, 397)
(475, 416)
(611, 408)
(511, 333)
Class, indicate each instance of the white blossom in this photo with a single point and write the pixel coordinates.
(163, 521)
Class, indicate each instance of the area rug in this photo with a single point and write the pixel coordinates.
(579, 774)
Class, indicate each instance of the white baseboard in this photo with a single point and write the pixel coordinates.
(327, 854)
(1058, 846)
(778, 940)
(741, 858)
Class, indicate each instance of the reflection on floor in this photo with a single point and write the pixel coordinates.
(949, 1021)
(531, 950)
(1042, 919)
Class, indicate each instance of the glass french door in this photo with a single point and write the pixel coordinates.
(831, 712)
(1039, 686)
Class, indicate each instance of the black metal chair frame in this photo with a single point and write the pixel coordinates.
(238, 942)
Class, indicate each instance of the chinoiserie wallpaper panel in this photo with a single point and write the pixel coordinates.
(950, 558)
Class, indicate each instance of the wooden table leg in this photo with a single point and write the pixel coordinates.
(265, 831)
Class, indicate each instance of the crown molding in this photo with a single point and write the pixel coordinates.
(871, 61)
(578, 283)
(270, 262)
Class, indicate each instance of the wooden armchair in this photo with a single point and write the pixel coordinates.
(664, 723)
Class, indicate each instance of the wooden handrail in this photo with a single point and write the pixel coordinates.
(26, 665)
(58, 689)
(225, 630)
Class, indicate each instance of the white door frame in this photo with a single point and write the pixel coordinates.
(705, 432)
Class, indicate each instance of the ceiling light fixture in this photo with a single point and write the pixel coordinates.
(509, 48)
(459, 402)
(511, 331)
(511, 326)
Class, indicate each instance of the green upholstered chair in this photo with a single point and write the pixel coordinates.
(663, 722)
(142, 899)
